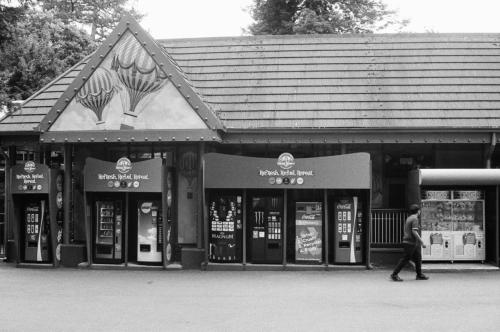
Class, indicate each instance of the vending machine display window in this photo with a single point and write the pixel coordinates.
(36, 231)
(309, 232)
(348, 229)
(149, 232)
(226, 225)
(453, 225)
(109, 231)
(266, 228)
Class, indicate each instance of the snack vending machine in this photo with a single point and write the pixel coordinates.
(266, 219)
(149, 232)
(308, 231)
(109, 234)
(348, 230)
(453, 225)
(37, 230)
(226, 226)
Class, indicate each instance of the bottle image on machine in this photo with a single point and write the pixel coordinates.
(109, 235)
(149, 232)
(37, 242)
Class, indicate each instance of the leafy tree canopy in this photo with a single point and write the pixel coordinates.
(101, 15)
(41, 39)
(42, 48)
(277, 17)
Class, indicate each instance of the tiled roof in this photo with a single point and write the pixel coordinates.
(416, 81)
(347, 81)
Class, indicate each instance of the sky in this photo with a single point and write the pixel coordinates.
(217, 18)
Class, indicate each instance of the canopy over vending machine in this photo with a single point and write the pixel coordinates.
(287, 204)
(121, 224)
(36, 200)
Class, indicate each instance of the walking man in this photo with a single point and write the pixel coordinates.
(412, 244)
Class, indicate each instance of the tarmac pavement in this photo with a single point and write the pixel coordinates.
(137, 300)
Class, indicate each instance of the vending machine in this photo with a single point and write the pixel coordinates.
(109, 231)
(266, 220)
(36, 232)
(308, 231)
(348, 230)
(226, 226)
(453, 225)
(149, 232)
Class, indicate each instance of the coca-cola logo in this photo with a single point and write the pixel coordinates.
(286, 161)
(29, 167)
(123, 165)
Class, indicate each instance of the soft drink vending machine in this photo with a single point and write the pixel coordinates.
(348, 230)
(109, 231)
(36, 235)
(149, 232)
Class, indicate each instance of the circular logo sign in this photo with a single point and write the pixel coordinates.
(123, 165)
(285, 161)
(29, 167)
(146, 207)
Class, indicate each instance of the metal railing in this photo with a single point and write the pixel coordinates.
(387, 227)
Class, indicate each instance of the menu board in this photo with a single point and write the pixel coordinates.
(308, 231)
(225, 223)
(453, 229)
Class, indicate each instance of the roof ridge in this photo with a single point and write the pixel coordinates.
(341, 36)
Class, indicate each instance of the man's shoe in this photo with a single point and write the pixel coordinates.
(395, 277)
(422, 277)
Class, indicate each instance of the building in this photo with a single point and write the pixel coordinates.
(240, 151)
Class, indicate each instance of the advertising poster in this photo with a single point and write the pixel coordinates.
(308, 231)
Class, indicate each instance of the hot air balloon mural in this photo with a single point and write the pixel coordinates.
(96, 93)
(137, 71)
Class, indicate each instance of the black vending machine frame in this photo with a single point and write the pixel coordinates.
(43, 185)
(265, 226)
(114, 198)
(228, 231)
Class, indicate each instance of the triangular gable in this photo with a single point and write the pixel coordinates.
(130, 84)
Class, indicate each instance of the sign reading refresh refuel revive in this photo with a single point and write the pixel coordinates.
(286, 174)
(30, 178)
(342, 171)
(123, 175)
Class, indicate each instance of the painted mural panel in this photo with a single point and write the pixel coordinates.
(128, 91)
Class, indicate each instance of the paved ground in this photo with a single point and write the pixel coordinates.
(96, 300)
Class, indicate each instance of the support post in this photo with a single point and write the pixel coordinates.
(201, 200)
(327, 247)
(285, 217)
(244, 213)
(68, 202)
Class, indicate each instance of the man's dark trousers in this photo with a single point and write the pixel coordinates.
(412, 252)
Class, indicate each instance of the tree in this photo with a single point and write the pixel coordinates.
(42, 48)
(320, 16)
(101, 15)
(9, 15)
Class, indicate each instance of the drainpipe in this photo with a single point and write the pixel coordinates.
(491, 149)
